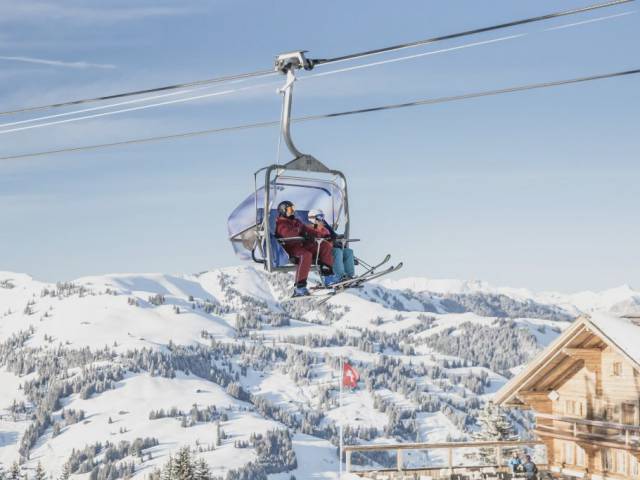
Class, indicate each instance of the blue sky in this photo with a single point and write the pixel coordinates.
(535, 189)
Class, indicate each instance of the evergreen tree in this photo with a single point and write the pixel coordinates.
(495, 425)
(218, 434)
(182, 465)
(14, 472)
(40, 473)
(202, 471)
(167, 471)
(66, 472)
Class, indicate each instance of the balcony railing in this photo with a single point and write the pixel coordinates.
(611, 434)
(441, 460)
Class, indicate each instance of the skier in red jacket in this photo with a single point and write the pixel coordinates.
(287, 226)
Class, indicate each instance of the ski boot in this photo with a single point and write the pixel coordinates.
(329, 280)
(300, 292)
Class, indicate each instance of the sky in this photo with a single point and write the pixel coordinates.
(536, 189)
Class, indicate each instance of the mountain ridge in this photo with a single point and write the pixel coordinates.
(155, 346)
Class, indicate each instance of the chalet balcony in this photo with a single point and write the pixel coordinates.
(436, 461)
(594, 432)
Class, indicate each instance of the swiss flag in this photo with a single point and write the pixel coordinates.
(350, 376)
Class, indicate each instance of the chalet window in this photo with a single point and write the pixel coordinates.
(579, 456)
(628, 413)
(621, 461)
(568, 453)
(616, 369)
(633, 466)
(607, 460)
(570, 407)
(608, 413)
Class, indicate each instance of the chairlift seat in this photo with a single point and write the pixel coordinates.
(252, 234)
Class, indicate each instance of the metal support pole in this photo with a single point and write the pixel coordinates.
(399, 460)
(340, 426)
(348, 460)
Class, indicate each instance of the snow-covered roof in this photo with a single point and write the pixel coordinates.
(620, 333)
(624, 332)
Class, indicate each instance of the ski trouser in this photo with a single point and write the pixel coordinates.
(344, 262)
(306, 255)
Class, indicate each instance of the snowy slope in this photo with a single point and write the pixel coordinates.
(130, 345)
(620, 300)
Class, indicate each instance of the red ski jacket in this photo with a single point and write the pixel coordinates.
(292, 227)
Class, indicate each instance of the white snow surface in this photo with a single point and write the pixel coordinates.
(625, 332)
(116, 311)
(620, 300)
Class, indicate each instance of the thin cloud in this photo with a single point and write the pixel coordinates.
(13, 10)
(57, 63)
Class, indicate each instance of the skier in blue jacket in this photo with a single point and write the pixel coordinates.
(514, 462)
(343, 257)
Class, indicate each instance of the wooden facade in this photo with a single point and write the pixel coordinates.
(584, 390)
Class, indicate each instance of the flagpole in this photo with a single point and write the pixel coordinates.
(341, 380)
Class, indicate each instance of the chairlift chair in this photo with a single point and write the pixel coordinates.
(304, 180)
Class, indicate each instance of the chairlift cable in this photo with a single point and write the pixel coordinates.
(262, 73)
(140, 107)
(177, 86)
(450, 49)
(465, 33)
(104, 107)
(422, 102)
(411, 57)
(306, 77)
(186, 99)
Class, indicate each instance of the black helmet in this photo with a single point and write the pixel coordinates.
(283, 206)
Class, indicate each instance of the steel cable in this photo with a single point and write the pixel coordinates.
(415, 103)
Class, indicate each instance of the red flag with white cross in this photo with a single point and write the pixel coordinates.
(350, 376)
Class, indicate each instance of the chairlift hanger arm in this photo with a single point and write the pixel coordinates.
(288, 63)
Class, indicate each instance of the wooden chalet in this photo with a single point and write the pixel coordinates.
(584, 390)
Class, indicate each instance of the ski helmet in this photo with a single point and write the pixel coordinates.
(283, 207)
(315, 213)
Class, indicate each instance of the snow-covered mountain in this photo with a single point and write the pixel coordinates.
(108, 376)
(621, 300)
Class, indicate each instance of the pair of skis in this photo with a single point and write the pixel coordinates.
(371, 273)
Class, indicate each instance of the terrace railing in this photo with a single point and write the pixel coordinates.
(615, 435)
(440, 460)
